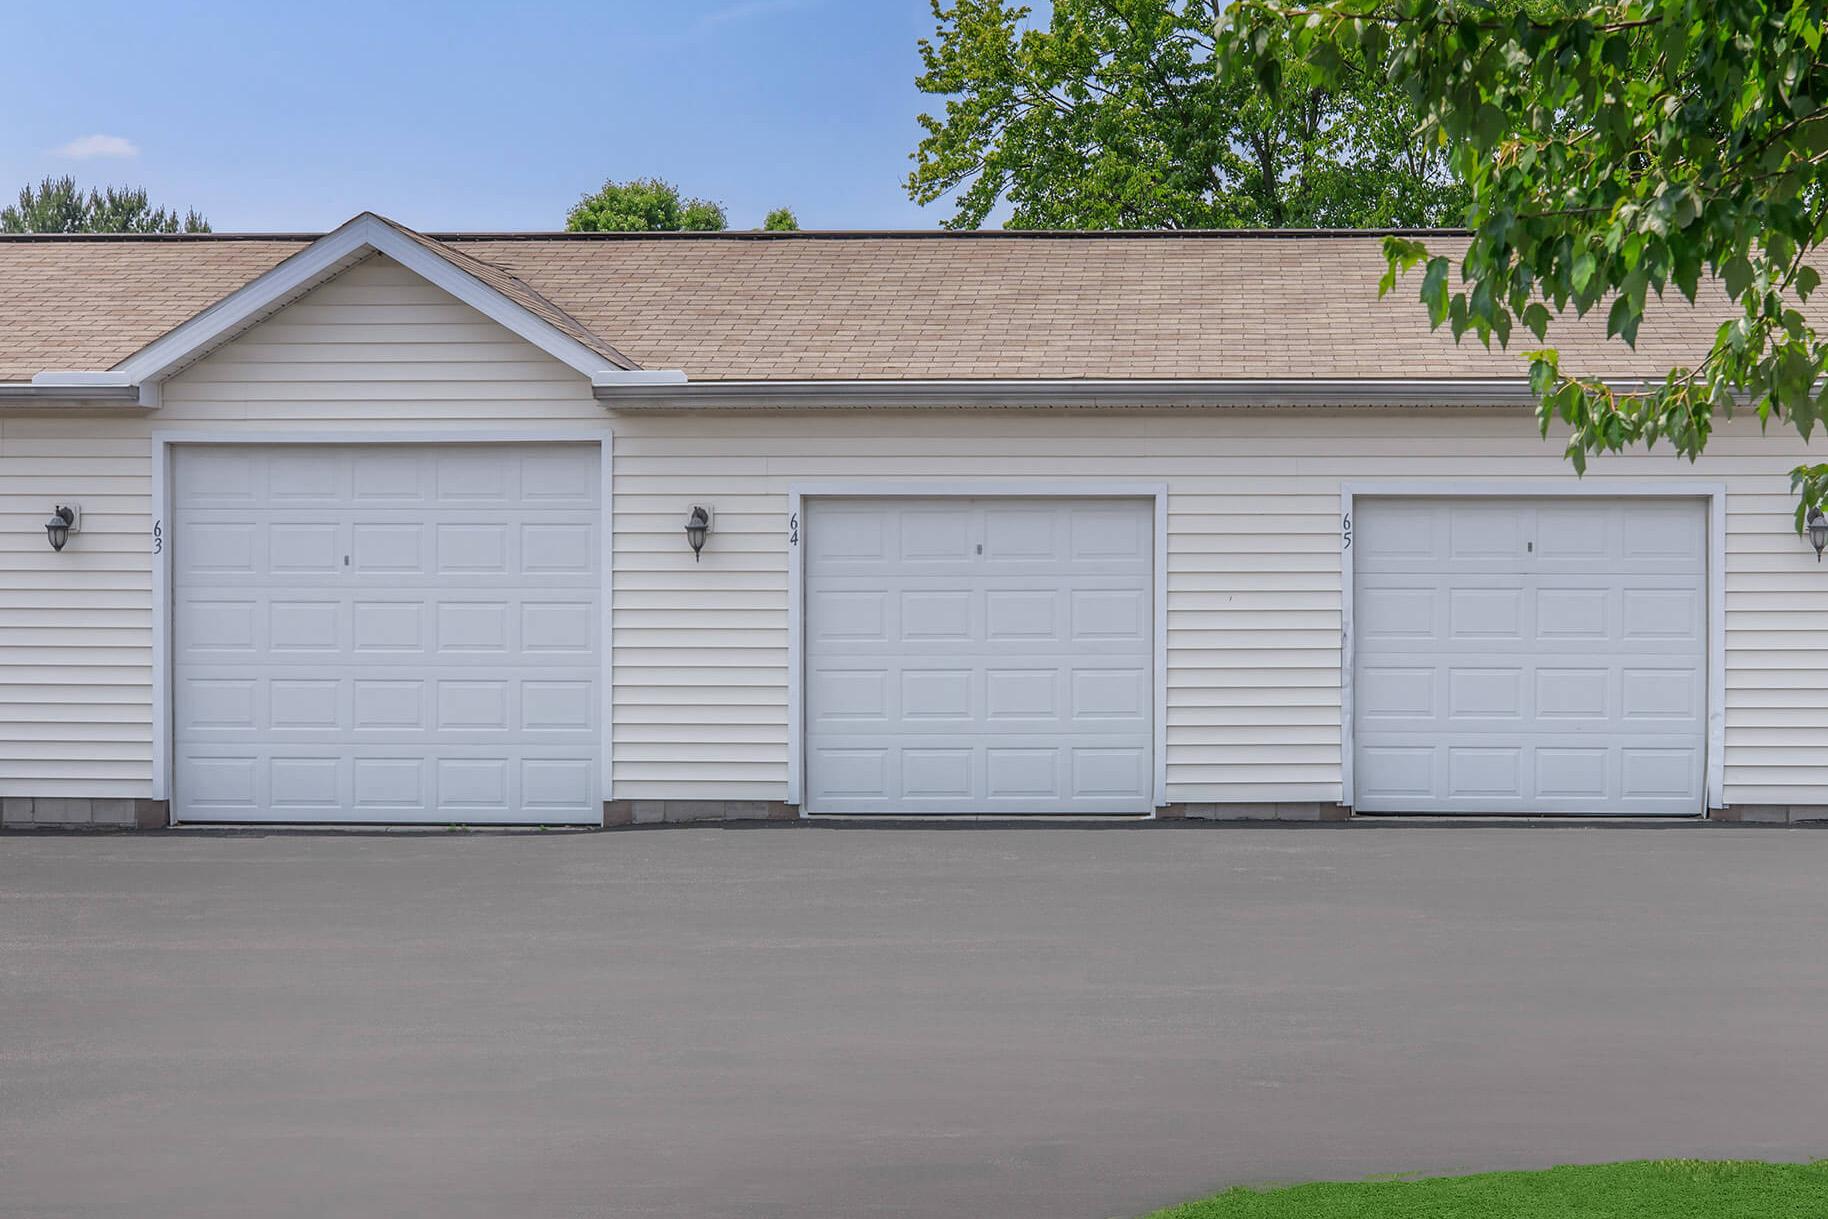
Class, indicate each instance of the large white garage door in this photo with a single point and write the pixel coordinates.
(979, 656)
(387, 633)
(1534, 656)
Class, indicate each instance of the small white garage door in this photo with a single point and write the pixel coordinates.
(979, 656)
(1530, 655)
(387, 633)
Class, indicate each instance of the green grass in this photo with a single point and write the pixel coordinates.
(1652, 1189)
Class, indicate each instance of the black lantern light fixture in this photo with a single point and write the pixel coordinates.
(65, 520)
(697, 526)
(1818, 532)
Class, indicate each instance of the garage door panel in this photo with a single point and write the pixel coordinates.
(1661, 696)
(979, 656)
(1573, 772)
(1520, 655)
(1670, 772)
(400, 634)
(391, 781)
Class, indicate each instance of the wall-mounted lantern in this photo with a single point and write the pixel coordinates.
(65, 520)
(697, 528)
(1818, 532)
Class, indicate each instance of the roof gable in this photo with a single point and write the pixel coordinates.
(497, 294)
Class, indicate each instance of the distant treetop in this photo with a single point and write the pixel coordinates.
(58, 205)
(644, 205)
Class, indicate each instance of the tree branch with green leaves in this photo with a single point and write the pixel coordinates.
(1610, 153)
(1108, 114)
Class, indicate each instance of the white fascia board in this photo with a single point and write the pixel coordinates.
(316, 263)
(611, 378)
(1506, 391)
(85, 379)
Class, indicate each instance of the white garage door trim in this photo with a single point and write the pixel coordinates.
(799, 493)
(1713, 493)
(165, 440)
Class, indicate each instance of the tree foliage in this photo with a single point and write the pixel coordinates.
(781, 220)
(644, 205)
(1611, 153)
(1111, 115)
(58, 205)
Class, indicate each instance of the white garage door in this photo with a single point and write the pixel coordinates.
(979, 656)
(387, 633)
(1537, 656)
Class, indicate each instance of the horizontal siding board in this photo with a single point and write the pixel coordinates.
(87, 784)
(687, 700)
(659, 716)
(74, 705)
(712, 786)
(1269, 791)
(644, 737)
(24, 735)
(1748, 791)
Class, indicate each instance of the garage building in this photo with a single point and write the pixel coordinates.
(582, 529)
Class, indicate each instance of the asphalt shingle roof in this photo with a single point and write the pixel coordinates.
(865, 306)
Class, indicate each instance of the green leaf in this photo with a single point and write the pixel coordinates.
(1536, 318)
(1737, 272)
(1434, 291)
(1582, 273)
(1622, 320)
(1542, 373)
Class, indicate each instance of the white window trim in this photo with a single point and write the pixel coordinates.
(164, 440)
(1713, 493)
(799, 493)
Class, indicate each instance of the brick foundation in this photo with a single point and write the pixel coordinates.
(1255, 812)
(655, 812)
(1771, 814)
(83, 812)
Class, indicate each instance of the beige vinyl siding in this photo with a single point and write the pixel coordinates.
(371, 350)
(76, 627)
(1254, 600)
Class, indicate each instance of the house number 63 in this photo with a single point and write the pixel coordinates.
(158, 537)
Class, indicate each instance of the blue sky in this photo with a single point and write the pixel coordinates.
(471, 115)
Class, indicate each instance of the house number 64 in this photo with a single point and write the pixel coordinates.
(793, 530)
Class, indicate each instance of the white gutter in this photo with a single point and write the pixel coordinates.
(681, 393)
(72, 387)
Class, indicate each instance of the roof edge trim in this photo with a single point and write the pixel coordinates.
(1493, 391)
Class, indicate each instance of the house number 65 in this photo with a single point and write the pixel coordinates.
(1345, 531)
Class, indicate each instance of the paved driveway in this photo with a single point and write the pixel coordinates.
(855, 1022)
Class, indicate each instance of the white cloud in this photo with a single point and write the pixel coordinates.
(91, 146)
